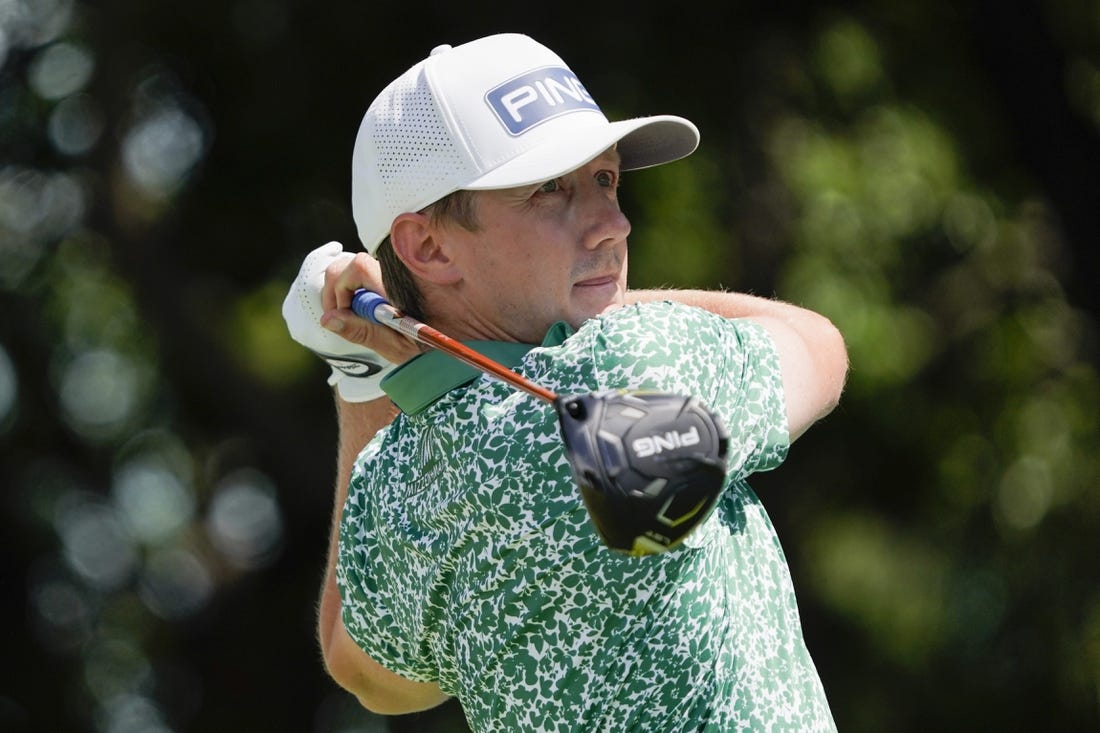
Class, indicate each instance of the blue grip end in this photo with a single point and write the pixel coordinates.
(364, 302)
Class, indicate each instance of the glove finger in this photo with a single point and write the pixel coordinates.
(302, 307)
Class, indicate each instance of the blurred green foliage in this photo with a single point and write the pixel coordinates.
(925, 175)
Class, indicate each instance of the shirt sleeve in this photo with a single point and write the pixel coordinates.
(731, 365)
(751, 399)
(366, 573)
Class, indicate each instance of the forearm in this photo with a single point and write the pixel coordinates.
(723, 303)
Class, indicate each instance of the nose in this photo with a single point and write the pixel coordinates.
(605, 223)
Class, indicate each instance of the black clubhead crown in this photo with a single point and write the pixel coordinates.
(650, 466)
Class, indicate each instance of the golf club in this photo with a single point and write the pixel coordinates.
(650, 465)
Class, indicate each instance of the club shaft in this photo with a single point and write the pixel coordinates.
(387, 315)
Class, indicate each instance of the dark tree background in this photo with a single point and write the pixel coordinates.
(925, 174)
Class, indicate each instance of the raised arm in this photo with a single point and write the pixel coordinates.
(812, 355)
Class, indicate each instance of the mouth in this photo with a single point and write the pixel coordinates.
(597, 282)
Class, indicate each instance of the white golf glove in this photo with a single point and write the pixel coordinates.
(357, 371)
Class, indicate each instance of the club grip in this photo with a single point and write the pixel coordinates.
(364, 303)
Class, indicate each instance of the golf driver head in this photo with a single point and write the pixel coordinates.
(650, 465)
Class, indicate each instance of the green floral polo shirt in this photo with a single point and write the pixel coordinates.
(467, 559)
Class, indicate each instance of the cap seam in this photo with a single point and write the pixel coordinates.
(453, 124)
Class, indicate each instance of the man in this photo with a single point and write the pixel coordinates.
(462, 563)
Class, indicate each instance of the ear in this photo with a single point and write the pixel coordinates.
(417, 243)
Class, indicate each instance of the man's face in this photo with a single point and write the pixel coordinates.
(543, 253)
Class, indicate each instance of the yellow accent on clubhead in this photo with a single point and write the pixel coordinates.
(645, 546)
(675, 522)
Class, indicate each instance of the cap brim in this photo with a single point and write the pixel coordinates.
(642, 143)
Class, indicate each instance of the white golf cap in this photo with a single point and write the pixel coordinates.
(498, 112)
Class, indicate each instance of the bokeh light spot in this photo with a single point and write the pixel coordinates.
(95, 542)
(891, 583)
(132, 713)
(154, 502)
(244, 522)
(75, 124)
(256, 335)
(31, 23)
(161, 149)
(1025, 493)
(114, 666)
(99, 393)
(62, 612)
(35, 207)
(175, 583)
(848, 58)
(60, 70)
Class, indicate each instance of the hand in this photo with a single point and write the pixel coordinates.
(343, 278)
(316, 310)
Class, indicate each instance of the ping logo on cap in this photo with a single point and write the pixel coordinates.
(537, 96)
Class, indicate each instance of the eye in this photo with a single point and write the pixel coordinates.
(550, 186)
(607, 179)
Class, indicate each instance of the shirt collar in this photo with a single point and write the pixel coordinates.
(422, 380)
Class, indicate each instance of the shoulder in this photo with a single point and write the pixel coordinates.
(677, 326)
(655, 345)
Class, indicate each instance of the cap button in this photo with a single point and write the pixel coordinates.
(440, 49)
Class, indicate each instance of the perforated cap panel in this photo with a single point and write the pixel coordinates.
(415, 154)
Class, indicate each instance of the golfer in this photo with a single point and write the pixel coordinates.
(462, 562)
